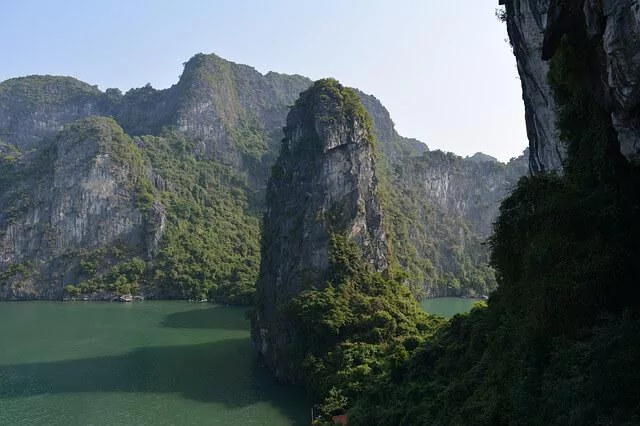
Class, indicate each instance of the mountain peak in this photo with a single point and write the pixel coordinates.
(323, 185)
(480, 157)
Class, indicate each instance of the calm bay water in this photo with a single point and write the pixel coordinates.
(447, 306)
(151, 363)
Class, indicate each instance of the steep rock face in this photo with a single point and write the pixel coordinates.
(535, 29)
(37, 107)
(77, 195)
(621, 44)
(442, 211)
(234, 112)
(394, 147)
(324, 182)
(223, 122)
(526, 20)
(467, 188)
(144, 110)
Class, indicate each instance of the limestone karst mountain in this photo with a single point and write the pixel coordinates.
(535, 31)
(557, 342)
(190, 184)
(323, 183)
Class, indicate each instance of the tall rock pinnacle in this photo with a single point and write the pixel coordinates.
(323, 183)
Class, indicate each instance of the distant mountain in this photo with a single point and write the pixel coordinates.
(479, 157)
(162, 191)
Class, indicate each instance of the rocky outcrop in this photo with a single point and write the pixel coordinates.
(37, 107)
(223, 122)
(233, 111)
(526, 20)
(225, 115)
(323, 183)
(76, 196)
(395, 148)
(442, 210)
(535, 28)
(617, 23)
(471, 189)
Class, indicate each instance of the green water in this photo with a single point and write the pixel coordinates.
(447, 306)
(151, 363)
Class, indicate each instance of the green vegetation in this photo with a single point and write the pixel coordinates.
(19, 172)
(433, 249)
(224, 89)
(106, 270)
(36, 90)
(210, 247)
(111, 140)
(9, 154)
(558, 342)
(353, 328)
(429, 246)
(122, 278)
(212, 192)
(10, 171)
(560, 338)
(333, 102)
(16, 270)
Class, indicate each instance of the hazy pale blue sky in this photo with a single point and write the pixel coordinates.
(442, 68)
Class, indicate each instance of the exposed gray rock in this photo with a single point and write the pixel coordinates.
(229, 113)
(443, 208)
(37, 107)
(621, 42)
(526, 20)
(465, 188)
(72, 197)
(535, 28)
(235, 112)
(324, 182)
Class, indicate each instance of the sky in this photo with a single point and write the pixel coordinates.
(443, 69)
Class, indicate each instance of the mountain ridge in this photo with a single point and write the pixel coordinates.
(210, 141)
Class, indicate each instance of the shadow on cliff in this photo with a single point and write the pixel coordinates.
(224, 372)
(217, 317)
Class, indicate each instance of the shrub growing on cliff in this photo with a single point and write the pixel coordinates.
(341, 102)
(353, 328)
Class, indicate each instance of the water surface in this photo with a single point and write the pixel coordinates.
(151, 363)
(447, 306)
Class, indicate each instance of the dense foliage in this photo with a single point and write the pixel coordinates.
(560, 340)
(209, 248)
(353, 328)
(211, 184)
(34, 91)
(211, 245)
